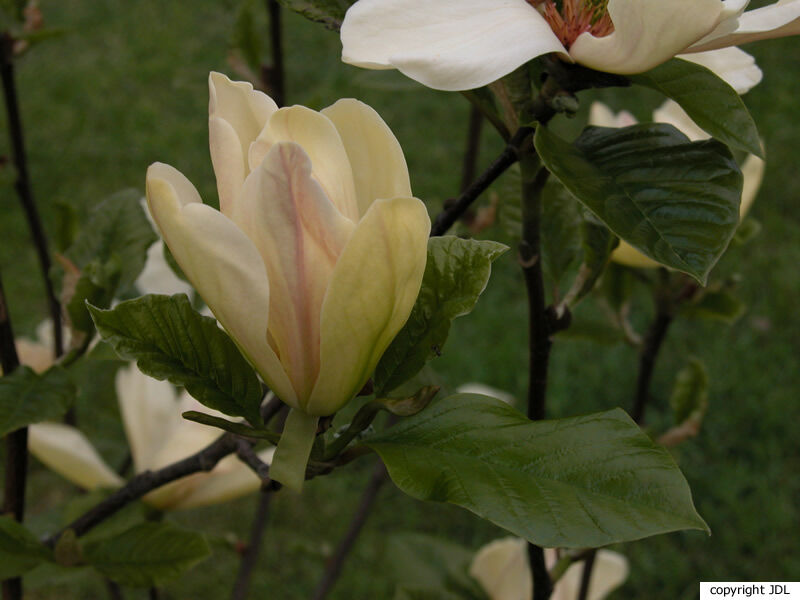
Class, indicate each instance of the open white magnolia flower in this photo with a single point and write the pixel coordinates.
(670, 112)
(158, 436)
(501, 568)
(465, 44)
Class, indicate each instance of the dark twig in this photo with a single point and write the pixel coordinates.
(245, 452)
(473, 146)
(276, 77)
(23, 184)
(586, 575)
(204, 460)
(508, 157)
(16, 444)
(253, 549)
(334, 566)
(114, 591)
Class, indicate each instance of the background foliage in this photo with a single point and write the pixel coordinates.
(127, 86)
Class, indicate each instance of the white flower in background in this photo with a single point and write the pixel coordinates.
(670, 112)
(157, 436)
(474, 387)
(465, 44)
(501, 567)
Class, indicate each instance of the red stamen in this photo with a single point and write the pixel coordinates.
(574, 18)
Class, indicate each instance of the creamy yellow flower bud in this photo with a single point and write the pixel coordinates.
(316, 256)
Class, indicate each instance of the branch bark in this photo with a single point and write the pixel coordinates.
(253, 549)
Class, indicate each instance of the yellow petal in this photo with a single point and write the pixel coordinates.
(222, 264)
(300, 235)
(315, 133)
(753, 173)
(374, 286)
(236, 115)
(627, 255)
(501, 567)
(646, 33)
(379, 167)
(66, 451)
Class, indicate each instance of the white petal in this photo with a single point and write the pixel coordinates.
(602, 116)
(300, 235)
(236, 115)
(501, 568)
(753, 173)
(646, 33)
(456, 45)
(776, 20)
(66, 451)
(670, 112)
(736, 67)
(222, 263)
(379, 167)
(157, 277)
(149, 414)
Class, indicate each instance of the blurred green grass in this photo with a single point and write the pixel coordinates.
(127, 86)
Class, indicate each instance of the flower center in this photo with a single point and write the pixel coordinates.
(570, 18)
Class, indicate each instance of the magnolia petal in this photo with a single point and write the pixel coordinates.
(222, 263)
(35, 355)
(646, 34)
(149, 414)
(318, 136)
(602, 116)
(776, 20)
(300, 235)
(670, 112)
(237, 114)
(753, 174)
(625, 254)
(229, 480)
(736, 67)
(66, 451)
(610, 571)
(379, 167)
(446, 45)
(157, 277)
(501, 567)
(373, 288)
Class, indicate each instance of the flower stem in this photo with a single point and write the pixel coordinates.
(253, 549)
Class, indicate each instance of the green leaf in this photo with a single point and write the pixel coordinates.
(708, 100)
(689, 398)
(231, 426)
(719, 305)
(27, 398)
(562, 221)
(20, 551)
(328, 12)
(421, 593)
(95, 285)
(747, 230)
(170, 340)
(674, 200)
(580, 482)
(148, 554)
(117, 226)
(598, 243)
(456, 274)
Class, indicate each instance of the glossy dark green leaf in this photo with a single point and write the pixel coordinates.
(580, 482)
(674, 200)
(328, 12)
(27, 398)
(95, 285)
(708, 100)
(170, 340)
(147, 554)
(20, 551)
(456, 274)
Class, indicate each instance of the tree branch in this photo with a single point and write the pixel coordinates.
(16, 463)
(204, 460)
(334, 565)
(253, 549)
(23, 185)
(275, 74)
(508, 157)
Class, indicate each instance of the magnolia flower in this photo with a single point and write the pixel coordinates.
(670, 112)
(465, 44)
(501, 568)
(157, 436)
(315, 258)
